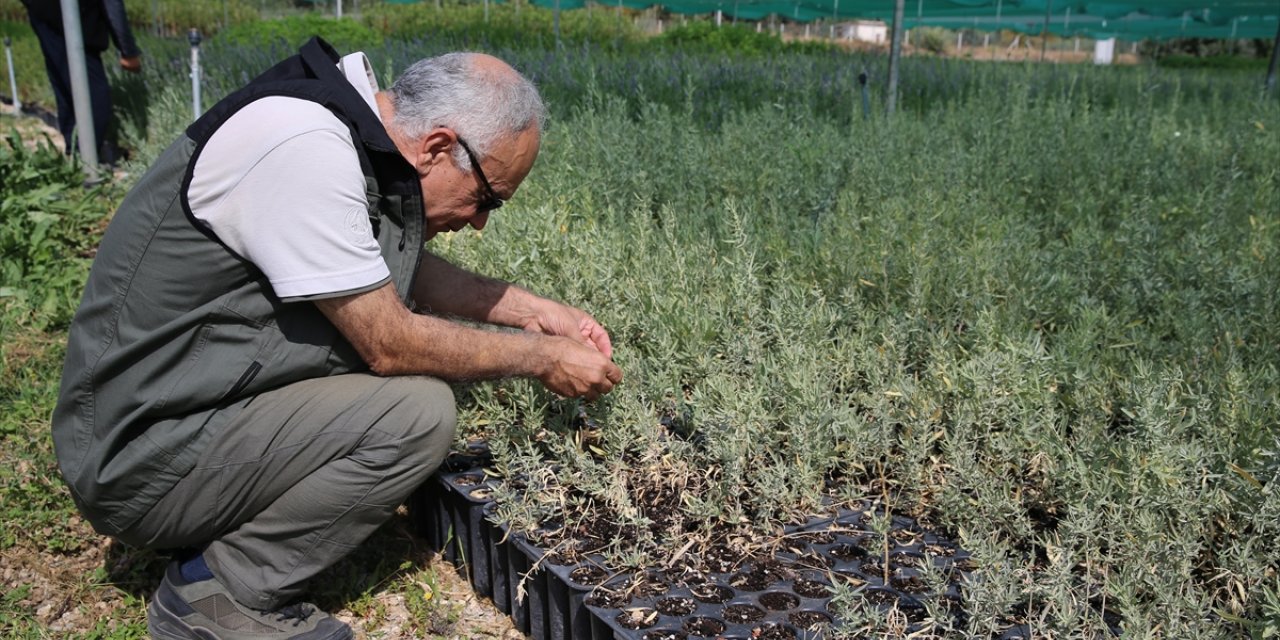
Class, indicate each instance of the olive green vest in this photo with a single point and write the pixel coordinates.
(176, 332)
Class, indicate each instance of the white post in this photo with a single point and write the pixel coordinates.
(986, 40)
(85, 134)
(757, 27)
(193, 36)
(337, 9)
(1104, 51)
(13, 80)
(719, 17)
(959, 40)
(806, 31)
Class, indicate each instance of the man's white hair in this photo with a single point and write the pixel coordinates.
(480, 104)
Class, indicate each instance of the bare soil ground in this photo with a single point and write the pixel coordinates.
(31, 127)
(391, 588)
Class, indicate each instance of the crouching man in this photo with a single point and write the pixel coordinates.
(257, 371)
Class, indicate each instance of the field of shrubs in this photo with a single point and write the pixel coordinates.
(1035, 311)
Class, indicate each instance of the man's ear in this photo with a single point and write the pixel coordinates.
(434, 148)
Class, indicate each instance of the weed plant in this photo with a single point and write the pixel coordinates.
(1037, 311)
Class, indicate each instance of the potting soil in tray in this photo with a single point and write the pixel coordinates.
(553, 596)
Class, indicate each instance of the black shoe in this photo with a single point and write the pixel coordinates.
(205, 610)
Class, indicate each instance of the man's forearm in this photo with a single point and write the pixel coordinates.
(447, 289)
(395, 342)
(452, 351)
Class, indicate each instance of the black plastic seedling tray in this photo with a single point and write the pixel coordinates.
(788, 596)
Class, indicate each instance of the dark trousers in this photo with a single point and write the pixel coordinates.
(54, 47)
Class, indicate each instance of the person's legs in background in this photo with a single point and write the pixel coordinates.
(100, 100)
(54, 48)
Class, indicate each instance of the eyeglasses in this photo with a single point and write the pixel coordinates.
(491, 200)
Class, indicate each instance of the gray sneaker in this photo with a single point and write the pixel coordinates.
(204, 610)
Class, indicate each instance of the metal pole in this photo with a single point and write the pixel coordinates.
(337, 12)
(193, 36)
(1044, 41)
(866, 95)
(13, 79)
(1271, 69)
(85, 134)
(895, 54)
(999, 6)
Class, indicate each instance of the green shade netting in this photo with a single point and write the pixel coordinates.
(1128, 19)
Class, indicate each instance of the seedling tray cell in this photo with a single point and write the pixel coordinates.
(784, 596)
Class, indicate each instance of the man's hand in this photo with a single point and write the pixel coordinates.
(131, 64)
(574, 370)
(555, 319)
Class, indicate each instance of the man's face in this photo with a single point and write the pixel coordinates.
(455, 199)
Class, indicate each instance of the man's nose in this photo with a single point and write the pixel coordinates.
(479, 220)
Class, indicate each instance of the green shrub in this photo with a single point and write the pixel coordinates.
(932, 39)
(293, 31)
(728, 38)
(506, 25)
(1219, 62)
(48, 229)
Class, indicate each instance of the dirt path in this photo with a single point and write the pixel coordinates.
(32, 129)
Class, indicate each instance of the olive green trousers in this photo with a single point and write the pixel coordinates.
(300, 477)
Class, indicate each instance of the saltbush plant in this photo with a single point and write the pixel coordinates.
(1056, 346)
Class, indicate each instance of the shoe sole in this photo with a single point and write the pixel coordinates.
(171, 627)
